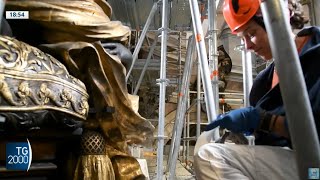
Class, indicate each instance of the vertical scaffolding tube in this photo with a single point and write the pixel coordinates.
(179, 61)
(246, 74)
(163, 82)
(316, 12)
(181, 110)
(153, 46)
(187, 129)
(2, 5)
(135, 14)
(184, 147)
(198, 100)
(141, 39)
(205, 73)
(314, 6)
(293, 88)
(213, 56)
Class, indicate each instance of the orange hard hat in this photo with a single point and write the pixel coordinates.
(239, 12)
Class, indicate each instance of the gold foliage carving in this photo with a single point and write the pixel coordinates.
(33, 80)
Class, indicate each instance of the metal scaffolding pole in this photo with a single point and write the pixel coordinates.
(184, 147)
(162, 82)
(246, 74)
(187, 129)
(198, 100)
(153, 46)
(232, 100)
(135, 14)
(314, 6)
(181, 110)
(141, 39)
(293, 87)
(213, 55)
(179, 60)
(222, 93)
(2, 5)
(205, 73)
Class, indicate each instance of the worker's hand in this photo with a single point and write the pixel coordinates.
(238, 121)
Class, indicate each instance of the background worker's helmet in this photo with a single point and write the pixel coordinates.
(239, 12)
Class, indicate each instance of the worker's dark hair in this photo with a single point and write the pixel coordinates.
(297, 19)
(259, 21)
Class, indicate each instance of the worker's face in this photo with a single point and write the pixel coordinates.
(255, 39)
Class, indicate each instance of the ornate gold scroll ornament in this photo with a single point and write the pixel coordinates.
(31, 80)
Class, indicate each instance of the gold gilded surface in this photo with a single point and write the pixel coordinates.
(125, 167)
(72, 20)
(89, 165)
(70, 30)
(32, 80)
(106, 76)
(103, 73)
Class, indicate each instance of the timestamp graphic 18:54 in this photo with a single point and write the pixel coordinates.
(17, 14)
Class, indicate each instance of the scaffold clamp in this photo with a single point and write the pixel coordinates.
(161, 137)
(166, 81)
(164, 29)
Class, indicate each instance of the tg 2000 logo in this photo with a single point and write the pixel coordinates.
(18, 156)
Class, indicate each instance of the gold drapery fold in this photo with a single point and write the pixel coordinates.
(72, 20)
(125, 167)
(104, 75)
(89, 165)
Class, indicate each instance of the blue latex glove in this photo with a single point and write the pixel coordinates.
(238, 121)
